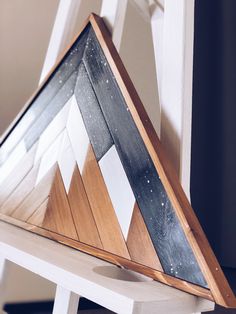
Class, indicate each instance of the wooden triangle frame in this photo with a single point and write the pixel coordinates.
(158, 233)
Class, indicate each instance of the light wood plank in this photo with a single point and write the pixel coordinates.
(36, 197)
(21, 192)
(18, 173)
(100, 202)
(139, 242)
(58, 216)
(52, 131)
(103, 211)
(38, 216)
(119, 189)
(81, 212)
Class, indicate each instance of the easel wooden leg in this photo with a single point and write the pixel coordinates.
(3, 275)
(66, 302)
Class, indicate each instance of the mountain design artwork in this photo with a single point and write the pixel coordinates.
(83, 166)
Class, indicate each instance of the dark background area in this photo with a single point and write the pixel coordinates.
(213, 166)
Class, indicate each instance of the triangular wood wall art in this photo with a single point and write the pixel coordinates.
(82, 165)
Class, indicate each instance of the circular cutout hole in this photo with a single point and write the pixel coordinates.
(117, 273)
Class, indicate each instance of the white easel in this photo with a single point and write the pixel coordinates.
(77, 274)
(168, 48)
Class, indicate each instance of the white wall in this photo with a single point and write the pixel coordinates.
(25, 29)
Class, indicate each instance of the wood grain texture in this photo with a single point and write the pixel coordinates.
(58, 217)
(43, 96)
(81, 212)
(38, 215)
(165, 230)
(91, 112)
(115, 259)
(16, 176)
(120, 192)
(13, 159)
(21, 192)
(139, 242)
(36, 196)
(210, 267)
(219, 288)
(49, 135)
(50, 156)
(103, 211)
(52, 109)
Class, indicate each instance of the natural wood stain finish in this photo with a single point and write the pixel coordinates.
(48, 201)
(17, 175)
(36, 197)
(210, 267)
(37, 217)
(103, 211)
(139, 243)
(58, 217)
(81, 212)
(21, 192)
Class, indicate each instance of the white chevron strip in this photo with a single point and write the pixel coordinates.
(66, 162)
(77, 134)
(119, 189)
(50, 157)
(12, 161)
(53, 130)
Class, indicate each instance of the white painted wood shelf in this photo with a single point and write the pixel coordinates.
(78, 274)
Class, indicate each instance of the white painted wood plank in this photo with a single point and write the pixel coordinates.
(66, 162)
(70, 17)
(53, 130)
(109, 12)
(50, 157)
(66, 302)
(77, 134)
(84, 275)
(13, 140)
(67, 10)
(185, 148)
(114, 14)
(132, 36)
(119, 189)
(12, 161)
(4, 267)
(176, 85)
(157, 20)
